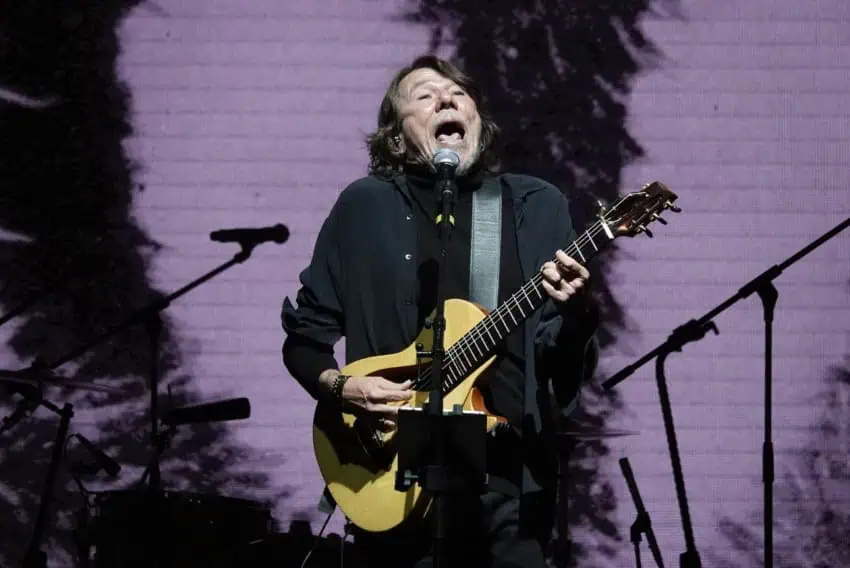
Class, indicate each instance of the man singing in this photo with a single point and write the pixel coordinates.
(373, 278)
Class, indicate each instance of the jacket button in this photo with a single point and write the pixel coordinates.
(409, 217)
(408, 256)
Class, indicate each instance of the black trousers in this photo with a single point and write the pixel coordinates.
(488, 531)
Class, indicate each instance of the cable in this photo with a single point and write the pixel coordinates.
(318, 540)
(81, 534)
(84, 491)
(345, 531)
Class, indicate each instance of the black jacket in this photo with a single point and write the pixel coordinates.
(361, 284)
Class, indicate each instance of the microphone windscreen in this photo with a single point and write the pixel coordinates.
(231, 409)
(446, 157)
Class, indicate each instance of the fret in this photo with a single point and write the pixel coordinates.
(590, 238)
(583, 259)
(502, 319)
(480, 341)
(527, 299)
(487, 329)
(475, 344)
(453, 365)
(463, 354)
(511, 313)
(519, 307)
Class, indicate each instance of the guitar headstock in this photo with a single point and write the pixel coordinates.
(633, 213)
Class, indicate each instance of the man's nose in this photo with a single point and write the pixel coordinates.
(446, 100)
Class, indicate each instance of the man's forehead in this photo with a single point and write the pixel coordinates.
(419, 77)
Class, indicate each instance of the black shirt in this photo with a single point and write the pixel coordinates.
(362, 283)
(502, 384)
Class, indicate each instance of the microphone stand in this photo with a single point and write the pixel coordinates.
(35, 557)
(150, 315)
(25, 305)
(642, 523)
(695, 330)
(436, 479)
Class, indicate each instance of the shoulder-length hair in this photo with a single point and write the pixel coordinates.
(387, 157)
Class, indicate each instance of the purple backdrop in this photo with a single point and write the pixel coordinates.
(249, 116)
(253, 113)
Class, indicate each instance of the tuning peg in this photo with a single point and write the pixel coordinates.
(602, 209)
(659, 218)
(669, 205)
(648, 232)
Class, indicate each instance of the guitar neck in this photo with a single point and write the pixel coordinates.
(479, 342)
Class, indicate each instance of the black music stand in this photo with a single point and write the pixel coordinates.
(464, 445)
(446, 440)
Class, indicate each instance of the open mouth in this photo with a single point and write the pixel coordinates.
(450, 132)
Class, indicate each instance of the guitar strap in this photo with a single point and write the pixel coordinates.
(486, 244)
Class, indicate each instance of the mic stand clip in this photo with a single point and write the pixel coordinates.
(642, 524)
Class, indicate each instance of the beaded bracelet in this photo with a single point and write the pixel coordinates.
(337, 386)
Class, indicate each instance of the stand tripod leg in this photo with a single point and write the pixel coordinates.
(35, 557)
(637, 553)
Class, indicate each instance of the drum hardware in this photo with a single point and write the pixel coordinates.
(25, 381)
(35, 556)
(29, 301)
(29, 381)
(569, 433)
(584, 432)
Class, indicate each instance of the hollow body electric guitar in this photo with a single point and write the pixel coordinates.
(359, 462)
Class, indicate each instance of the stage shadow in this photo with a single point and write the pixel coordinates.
(811, 496)
(73, 256)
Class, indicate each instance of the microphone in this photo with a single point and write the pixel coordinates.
(276, 233)
(230, 409)
(446, 162)
(104, 462)
(642, 523)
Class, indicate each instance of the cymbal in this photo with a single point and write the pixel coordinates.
(33, 376)
(578, 431)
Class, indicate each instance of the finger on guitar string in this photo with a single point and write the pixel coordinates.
(383, 409)
(550, 272)
(556, 294)
(372, 393)
(570, 266)
(393, 395)
(387, 424)
(392, 385)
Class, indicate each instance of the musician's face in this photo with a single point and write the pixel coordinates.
(436, 113)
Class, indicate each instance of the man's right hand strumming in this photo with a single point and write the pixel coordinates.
(369, 394)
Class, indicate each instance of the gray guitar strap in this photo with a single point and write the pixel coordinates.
(486, 245)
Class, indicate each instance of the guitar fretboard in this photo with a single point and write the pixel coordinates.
(480, 342)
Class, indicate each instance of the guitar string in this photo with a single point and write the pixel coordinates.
(455, 351)
(477, 332)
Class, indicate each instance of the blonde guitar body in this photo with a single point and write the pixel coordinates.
(359, 463)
